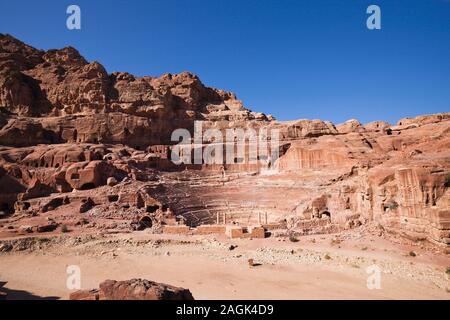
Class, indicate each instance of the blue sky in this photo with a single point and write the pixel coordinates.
(290, 58)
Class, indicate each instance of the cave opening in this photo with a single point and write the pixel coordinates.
(145, 223)
(152, 209)
(6, 208)
(87, 186)
(113, 198)
(75, 176)
(326, 213)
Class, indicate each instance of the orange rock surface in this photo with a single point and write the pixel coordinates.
(67, 127)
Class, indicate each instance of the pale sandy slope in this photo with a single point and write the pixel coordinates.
(309, 269)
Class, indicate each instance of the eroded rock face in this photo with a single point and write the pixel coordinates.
(135, 289)
(352, 125)
(60, 83)
(67, 127)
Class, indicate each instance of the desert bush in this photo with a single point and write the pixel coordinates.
(335, 241)
(393, 205)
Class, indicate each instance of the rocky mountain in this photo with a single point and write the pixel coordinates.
(90, 150)
(67, 99)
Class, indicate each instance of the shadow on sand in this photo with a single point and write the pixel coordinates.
(21, 294)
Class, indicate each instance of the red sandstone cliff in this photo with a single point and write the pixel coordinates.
(67, 127)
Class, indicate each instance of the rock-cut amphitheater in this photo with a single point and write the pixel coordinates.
(90, 150)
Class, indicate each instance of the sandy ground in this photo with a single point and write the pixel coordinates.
(316, 267)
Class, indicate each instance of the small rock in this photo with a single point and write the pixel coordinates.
(46, 228)
(126, 180)
(82, 222)
(5, 247)
(111, 182)
(87, 205)
(27, 229)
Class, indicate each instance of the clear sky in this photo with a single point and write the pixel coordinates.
(290, 58)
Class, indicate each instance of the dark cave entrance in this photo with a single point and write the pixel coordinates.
(327, 214)
(87, 186)
(152, 209)
(6, 208)
(145, 223)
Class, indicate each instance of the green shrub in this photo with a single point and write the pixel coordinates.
(393, 205)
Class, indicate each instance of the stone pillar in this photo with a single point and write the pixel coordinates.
(217, 218)
(265, 217)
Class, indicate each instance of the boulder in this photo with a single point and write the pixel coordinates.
(135, 289)
(351, 125)
(111, 182)
(45, 228)
(86, 205)
(93, 294)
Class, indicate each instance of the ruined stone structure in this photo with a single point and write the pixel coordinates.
(99, 145)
